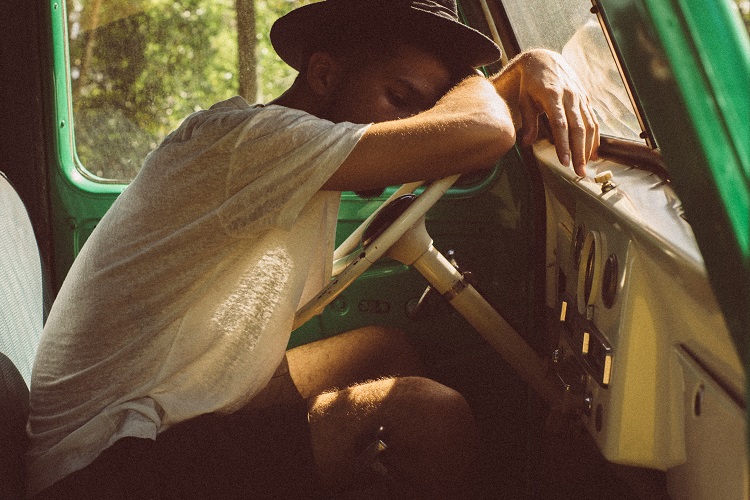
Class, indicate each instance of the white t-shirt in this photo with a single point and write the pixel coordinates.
(182, 300)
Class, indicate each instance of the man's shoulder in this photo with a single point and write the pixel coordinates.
(208, 125)
(233, 103)
(236, 110)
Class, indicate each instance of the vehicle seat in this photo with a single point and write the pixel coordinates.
(21, 323)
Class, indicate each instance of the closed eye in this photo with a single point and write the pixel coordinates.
(397, 99)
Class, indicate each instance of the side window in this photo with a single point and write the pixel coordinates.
(139, 67)
(743, 7)
(571, 29)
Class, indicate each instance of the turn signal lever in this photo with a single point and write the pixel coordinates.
(430, 298)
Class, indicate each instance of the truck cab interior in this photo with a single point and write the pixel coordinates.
(599, 327)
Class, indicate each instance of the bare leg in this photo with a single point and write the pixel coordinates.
(429, 430)
(350, 358)
(361, 380)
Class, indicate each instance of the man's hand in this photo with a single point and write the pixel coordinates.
(540, 81)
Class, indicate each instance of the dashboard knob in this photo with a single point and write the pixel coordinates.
(605, 179)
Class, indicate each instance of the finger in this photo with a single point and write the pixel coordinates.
(592, 129)
(597, 138)
(577, 141)
(558, 122)
(529, 122)
(577, 131)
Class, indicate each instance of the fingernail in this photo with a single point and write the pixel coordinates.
(566, 160)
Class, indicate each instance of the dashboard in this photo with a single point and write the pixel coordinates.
(639, 333)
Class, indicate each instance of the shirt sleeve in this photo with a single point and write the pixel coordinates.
(282, 157)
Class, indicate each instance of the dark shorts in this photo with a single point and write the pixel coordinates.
(262, 451)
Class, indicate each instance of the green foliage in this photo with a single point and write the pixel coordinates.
(139, 67)
(274, 75)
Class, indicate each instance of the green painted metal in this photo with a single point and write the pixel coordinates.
(710, 56)
(78, 200)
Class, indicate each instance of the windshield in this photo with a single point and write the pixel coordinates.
(571, 29)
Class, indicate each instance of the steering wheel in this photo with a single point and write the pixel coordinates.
(352, 258)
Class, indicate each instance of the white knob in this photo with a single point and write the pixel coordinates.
(603, 177)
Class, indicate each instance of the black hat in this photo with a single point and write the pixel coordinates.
(434, 22)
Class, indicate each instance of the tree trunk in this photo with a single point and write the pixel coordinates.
(90, 26)
(247, 61)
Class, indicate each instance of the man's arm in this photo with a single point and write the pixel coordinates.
(469, 128)
(472, 126)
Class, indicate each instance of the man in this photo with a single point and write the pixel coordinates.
(162, 371)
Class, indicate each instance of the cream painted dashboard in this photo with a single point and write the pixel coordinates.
(640, 333)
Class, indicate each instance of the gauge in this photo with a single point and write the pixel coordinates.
(589, 271)
(609, 281)
(578, 237)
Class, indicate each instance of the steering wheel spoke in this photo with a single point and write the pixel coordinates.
(350, 260)
(351, 243)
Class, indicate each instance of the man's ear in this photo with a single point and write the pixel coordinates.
(323, 72)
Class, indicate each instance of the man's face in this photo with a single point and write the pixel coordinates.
(388, 88)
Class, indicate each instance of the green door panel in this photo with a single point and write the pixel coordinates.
(75, 213)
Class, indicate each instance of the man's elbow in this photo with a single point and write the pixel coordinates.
(506, 136)
(500, 137)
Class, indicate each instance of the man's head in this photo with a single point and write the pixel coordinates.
(373, 86)
(376, 60)
(427, 24)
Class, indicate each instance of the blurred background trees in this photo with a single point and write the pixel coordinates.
(139, 67)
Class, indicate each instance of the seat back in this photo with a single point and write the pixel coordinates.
(21, 322)
(21, 294)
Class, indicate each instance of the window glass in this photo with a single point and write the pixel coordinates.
(571, 29)
(743, 6)
(139, 67)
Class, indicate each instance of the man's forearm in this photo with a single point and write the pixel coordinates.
(507, 84)
(468, 128)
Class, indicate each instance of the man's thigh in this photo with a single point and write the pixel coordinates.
(421, 433)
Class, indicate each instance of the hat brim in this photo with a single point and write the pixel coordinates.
(308, 25)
